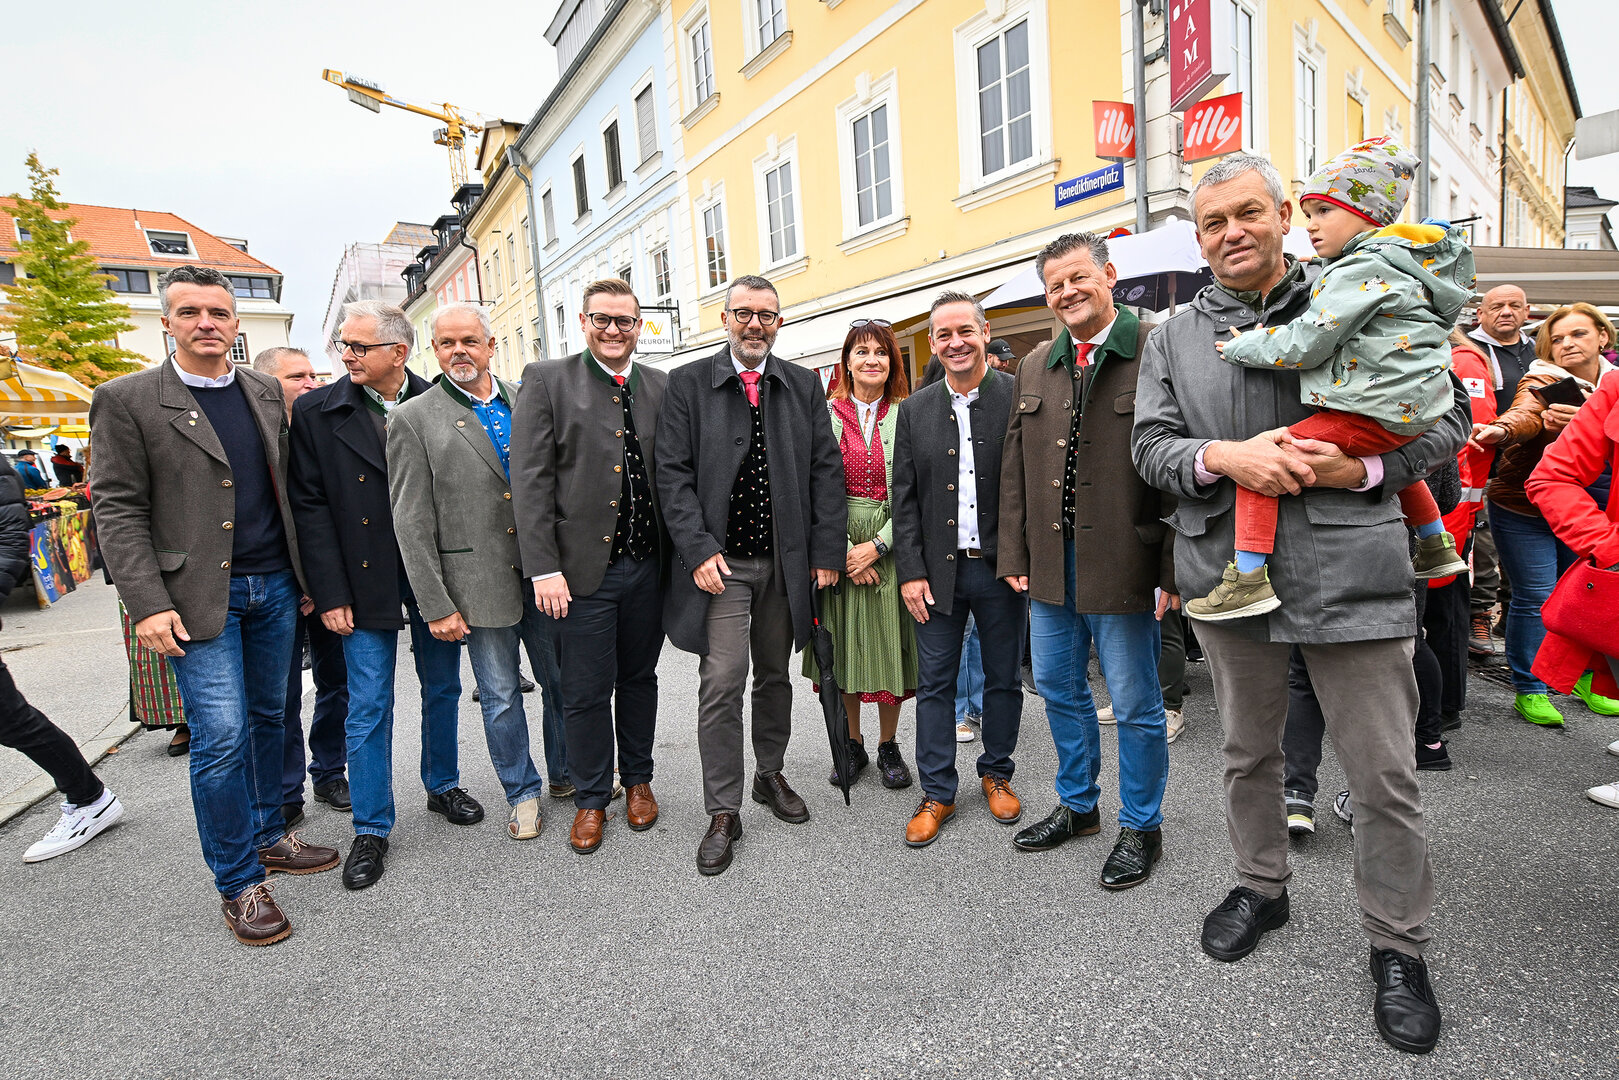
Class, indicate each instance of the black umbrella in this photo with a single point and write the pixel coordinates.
(837, 721)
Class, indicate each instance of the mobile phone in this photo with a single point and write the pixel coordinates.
(1562, 392)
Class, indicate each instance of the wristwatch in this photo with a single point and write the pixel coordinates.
(882, 548)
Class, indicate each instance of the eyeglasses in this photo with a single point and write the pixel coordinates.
(858, 323)
(360, 348)
(600, 321)
(744, 316)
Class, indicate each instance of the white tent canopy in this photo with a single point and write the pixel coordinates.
(38, 396)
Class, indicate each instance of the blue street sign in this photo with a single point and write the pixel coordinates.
(1110, 178)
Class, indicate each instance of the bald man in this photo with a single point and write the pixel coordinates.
(1500, 331)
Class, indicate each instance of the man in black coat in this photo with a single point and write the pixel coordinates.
(339, 494)
(88, 806)
(947, 479)
(750, 482)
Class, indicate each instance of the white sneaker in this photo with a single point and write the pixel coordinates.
(964, 731)
(1344, 808)
(1174, 723)
(77, 826)
(1613, 748)
(1606, 794)
(1104, 715)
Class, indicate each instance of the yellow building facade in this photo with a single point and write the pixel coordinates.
(498, 228)
(1541, 110)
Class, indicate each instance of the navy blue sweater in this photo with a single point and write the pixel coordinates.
(259, 538)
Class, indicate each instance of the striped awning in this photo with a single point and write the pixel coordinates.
(41, 397)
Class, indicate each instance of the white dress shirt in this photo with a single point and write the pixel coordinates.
(203, 382)
(966, 481)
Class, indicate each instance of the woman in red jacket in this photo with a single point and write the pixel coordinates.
(1573, 488)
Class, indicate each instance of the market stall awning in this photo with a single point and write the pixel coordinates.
(41, 397)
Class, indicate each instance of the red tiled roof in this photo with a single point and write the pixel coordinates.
(116, 239)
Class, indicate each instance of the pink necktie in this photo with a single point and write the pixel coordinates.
(750, 383)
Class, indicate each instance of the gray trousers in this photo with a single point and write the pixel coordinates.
(749, 618)
(1368, 694)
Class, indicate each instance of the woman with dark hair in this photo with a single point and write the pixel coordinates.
(1567, 354)
(874, 643)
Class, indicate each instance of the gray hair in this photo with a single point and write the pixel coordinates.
(390, 319)
(193, 275)
(269, 361)
(1067, 244)
(751, 281)
(463, 306)
(1230, 168)
(951, 296)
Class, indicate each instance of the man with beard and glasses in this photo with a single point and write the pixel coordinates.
(449, 478)
(750, 482)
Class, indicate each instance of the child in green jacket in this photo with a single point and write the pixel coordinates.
(1370, 350)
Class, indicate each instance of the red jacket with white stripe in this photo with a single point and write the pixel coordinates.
(1473, 370)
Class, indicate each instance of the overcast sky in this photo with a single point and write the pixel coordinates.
(217, 112)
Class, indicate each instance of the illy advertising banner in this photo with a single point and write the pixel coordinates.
(1199, 51)
(1213, 127)
(1115, 129)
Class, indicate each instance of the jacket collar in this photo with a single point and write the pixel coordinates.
(346, 394)
(462, 398)
(723, 368)
(593, 366)
(1120, 343)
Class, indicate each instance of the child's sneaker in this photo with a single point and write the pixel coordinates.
(77, 826)
(1237, 596)
(1436, 557)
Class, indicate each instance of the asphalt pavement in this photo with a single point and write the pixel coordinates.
(829, 949)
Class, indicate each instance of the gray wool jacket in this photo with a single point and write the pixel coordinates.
(1341, 564)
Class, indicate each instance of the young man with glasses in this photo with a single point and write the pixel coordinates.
(592, 541)
(339, 490)
(750, 482)
(189, 470)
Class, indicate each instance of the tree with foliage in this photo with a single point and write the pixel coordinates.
(62, 312)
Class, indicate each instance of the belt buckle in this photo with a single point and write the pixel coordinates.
(973, 553)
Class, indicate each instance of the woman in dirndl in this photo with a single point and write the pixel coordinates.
(873, 637)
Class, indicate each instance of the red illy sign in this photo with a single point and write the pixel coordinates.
(1115, 129)
(1198, 50)
(1213, 127)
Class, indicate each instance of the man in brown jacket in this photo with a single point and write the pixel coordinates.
(1081, 533)
(190, 480)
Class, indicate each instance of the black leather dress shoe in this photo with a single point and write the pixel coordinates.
(364, 865)
(525, 685)
(1130, 862)
(1407, 1014)
(1056, 827)
(292, 813)
(772, 790)
(1233, 929)
(457, 806)
(714, 853)
(335, 793)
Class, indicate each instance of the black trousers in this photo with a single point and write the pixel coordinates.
(328, 742)
(23, 727)
(610, 642)
(1172, 657)
(1447, 624)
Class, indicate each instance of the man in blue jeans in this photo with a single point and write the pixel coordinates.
(339, 483)
(190, 480)
(1081, 534)
(449, 467)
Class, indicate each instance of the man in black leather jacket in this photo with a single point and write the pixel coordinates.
(88, 807)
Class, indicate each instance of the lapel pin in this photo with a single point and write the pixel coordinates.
(193, 414)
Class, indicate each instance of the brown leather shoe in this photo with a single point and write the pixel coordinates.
(586, 834)
(640, 808)
(1003, 801)
(255, 918)
(925, 823)
(772, 790)
(714, 853)
(292, 855)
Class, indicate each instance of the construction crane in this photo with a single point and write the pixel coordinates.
(452, 136)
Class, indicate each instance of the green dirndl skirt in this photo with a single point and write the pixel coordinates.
(873, 636)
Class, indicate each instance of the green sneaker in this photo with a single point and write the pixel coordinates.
(1537, 709)
(1436, 557)
(1602, 706)
(1236, 597)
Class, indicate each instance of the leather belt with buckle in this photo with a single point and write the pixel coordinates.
(970, 553)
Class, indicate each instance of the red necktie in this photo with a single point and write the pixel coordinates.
(750, 383)
(619, 379)
(1083, 355)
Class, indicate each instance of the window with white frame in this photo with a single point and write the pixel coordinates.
(1242, 33)
(549, 213)
(769, 22)
(624, 273)
(522, 348)
(495, 284)
(613, 155)
(715, 271)
(869, 154)
(1306, 115)
(238, 350)
(701, 57)
(780, 209)
(581, 197)
(646, 125)
(1003, 82)
(562, 329)
(662, 278)
(511, 254)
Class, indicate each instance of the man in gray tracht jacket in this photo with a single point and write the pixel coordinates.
(1202, 426)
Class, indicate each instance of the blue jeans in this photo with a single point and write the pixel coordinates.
(970, 679)
(328, 748)
(370, 656)
(1060, 643)
(493, 652)
(234, 688)
(1000, 613)
(1534, 559)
